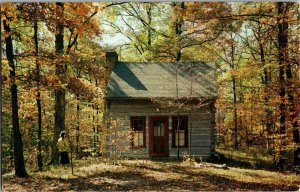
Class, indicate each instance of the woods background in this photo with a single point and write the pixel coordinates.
(54, 71)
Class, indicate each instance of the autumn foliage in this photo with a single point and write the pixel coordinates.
(53, 54)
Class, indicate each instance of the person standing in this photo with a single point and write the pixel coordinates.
(63, 147)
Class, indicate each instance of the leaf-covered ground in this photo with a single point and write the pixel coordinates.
(97, 174)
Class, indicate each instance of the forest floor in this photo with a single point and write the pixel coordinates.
(93, 174)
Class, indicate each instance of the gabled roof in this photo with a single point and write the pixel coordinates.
(157, 79)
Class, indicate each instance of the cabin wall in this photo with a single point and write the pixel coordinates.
(118, 129)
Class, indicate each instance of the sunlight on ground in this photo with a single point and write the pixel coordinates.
(102, 174)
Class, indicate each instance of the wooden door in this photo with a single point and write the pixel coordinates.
(158, 136)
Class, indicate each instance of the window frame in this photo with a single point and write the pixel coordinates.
(186, 130)
(132, 118)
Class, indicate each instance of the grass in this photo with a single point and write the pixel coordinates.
(160, 175)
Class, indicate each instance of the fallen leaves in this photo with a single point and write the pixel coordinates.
(154, 175)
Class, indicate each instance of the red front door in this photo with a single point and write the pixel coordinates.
(158, 136)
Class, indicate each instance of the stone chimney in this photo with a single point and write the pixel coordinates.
(111, 59)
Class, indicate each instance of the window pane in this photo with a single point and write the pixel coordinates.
(181, 142)
(138, 131)
(158, 128)
(135, 125)
(136, 139)
(140, 123)
(181, 134)
(141, 138)
(179, 138)
(182, 124)
(161, 129)
(155, 131)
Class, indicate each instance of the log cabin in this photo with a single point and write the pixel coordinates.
(159, 109)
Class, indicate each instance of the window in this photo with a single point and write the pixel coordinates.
(158, 128)
(180, 135)
(138, 128)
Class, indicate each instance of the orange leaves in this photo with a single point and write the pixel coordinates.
(80, 17)
(79, 9)
(207, 10)
(204, 20)
(28, 105)
(81, 30)
(177, 12)
(91, 28)
(50, 80)
(8, 12)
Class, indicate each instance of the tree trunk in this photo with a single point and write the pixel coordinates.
(97, 117)
(283, 8)
(97, 125)
(235, 114)
(38, 98)
(241, 122)
(78, 121)
(247, 135)
(178, 29)
(60, 95)
(94, 127)
(77, 127)
(190, 120)
(290, 91)
(282, 58)
(266, 81)
(11, 149)
(190, 135)
(1, 127)
(177, 126)
(18, 143)
(149, 16)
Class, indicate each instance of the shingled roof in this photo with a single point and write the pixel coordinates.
(158, 79)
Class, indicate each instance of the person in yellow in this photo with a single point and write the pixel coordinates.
(63, 147)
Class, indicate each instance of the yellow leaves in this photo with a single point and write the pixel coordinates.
(3, 17)
(63, 86)
(18, 82)
(268, 21)
(4, 62)
(112, 18)
(8, 12)
(5, 68)
(239, 73)
(191, 10)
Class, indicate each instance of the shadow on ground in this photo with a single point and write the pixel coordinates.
(141, 178)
